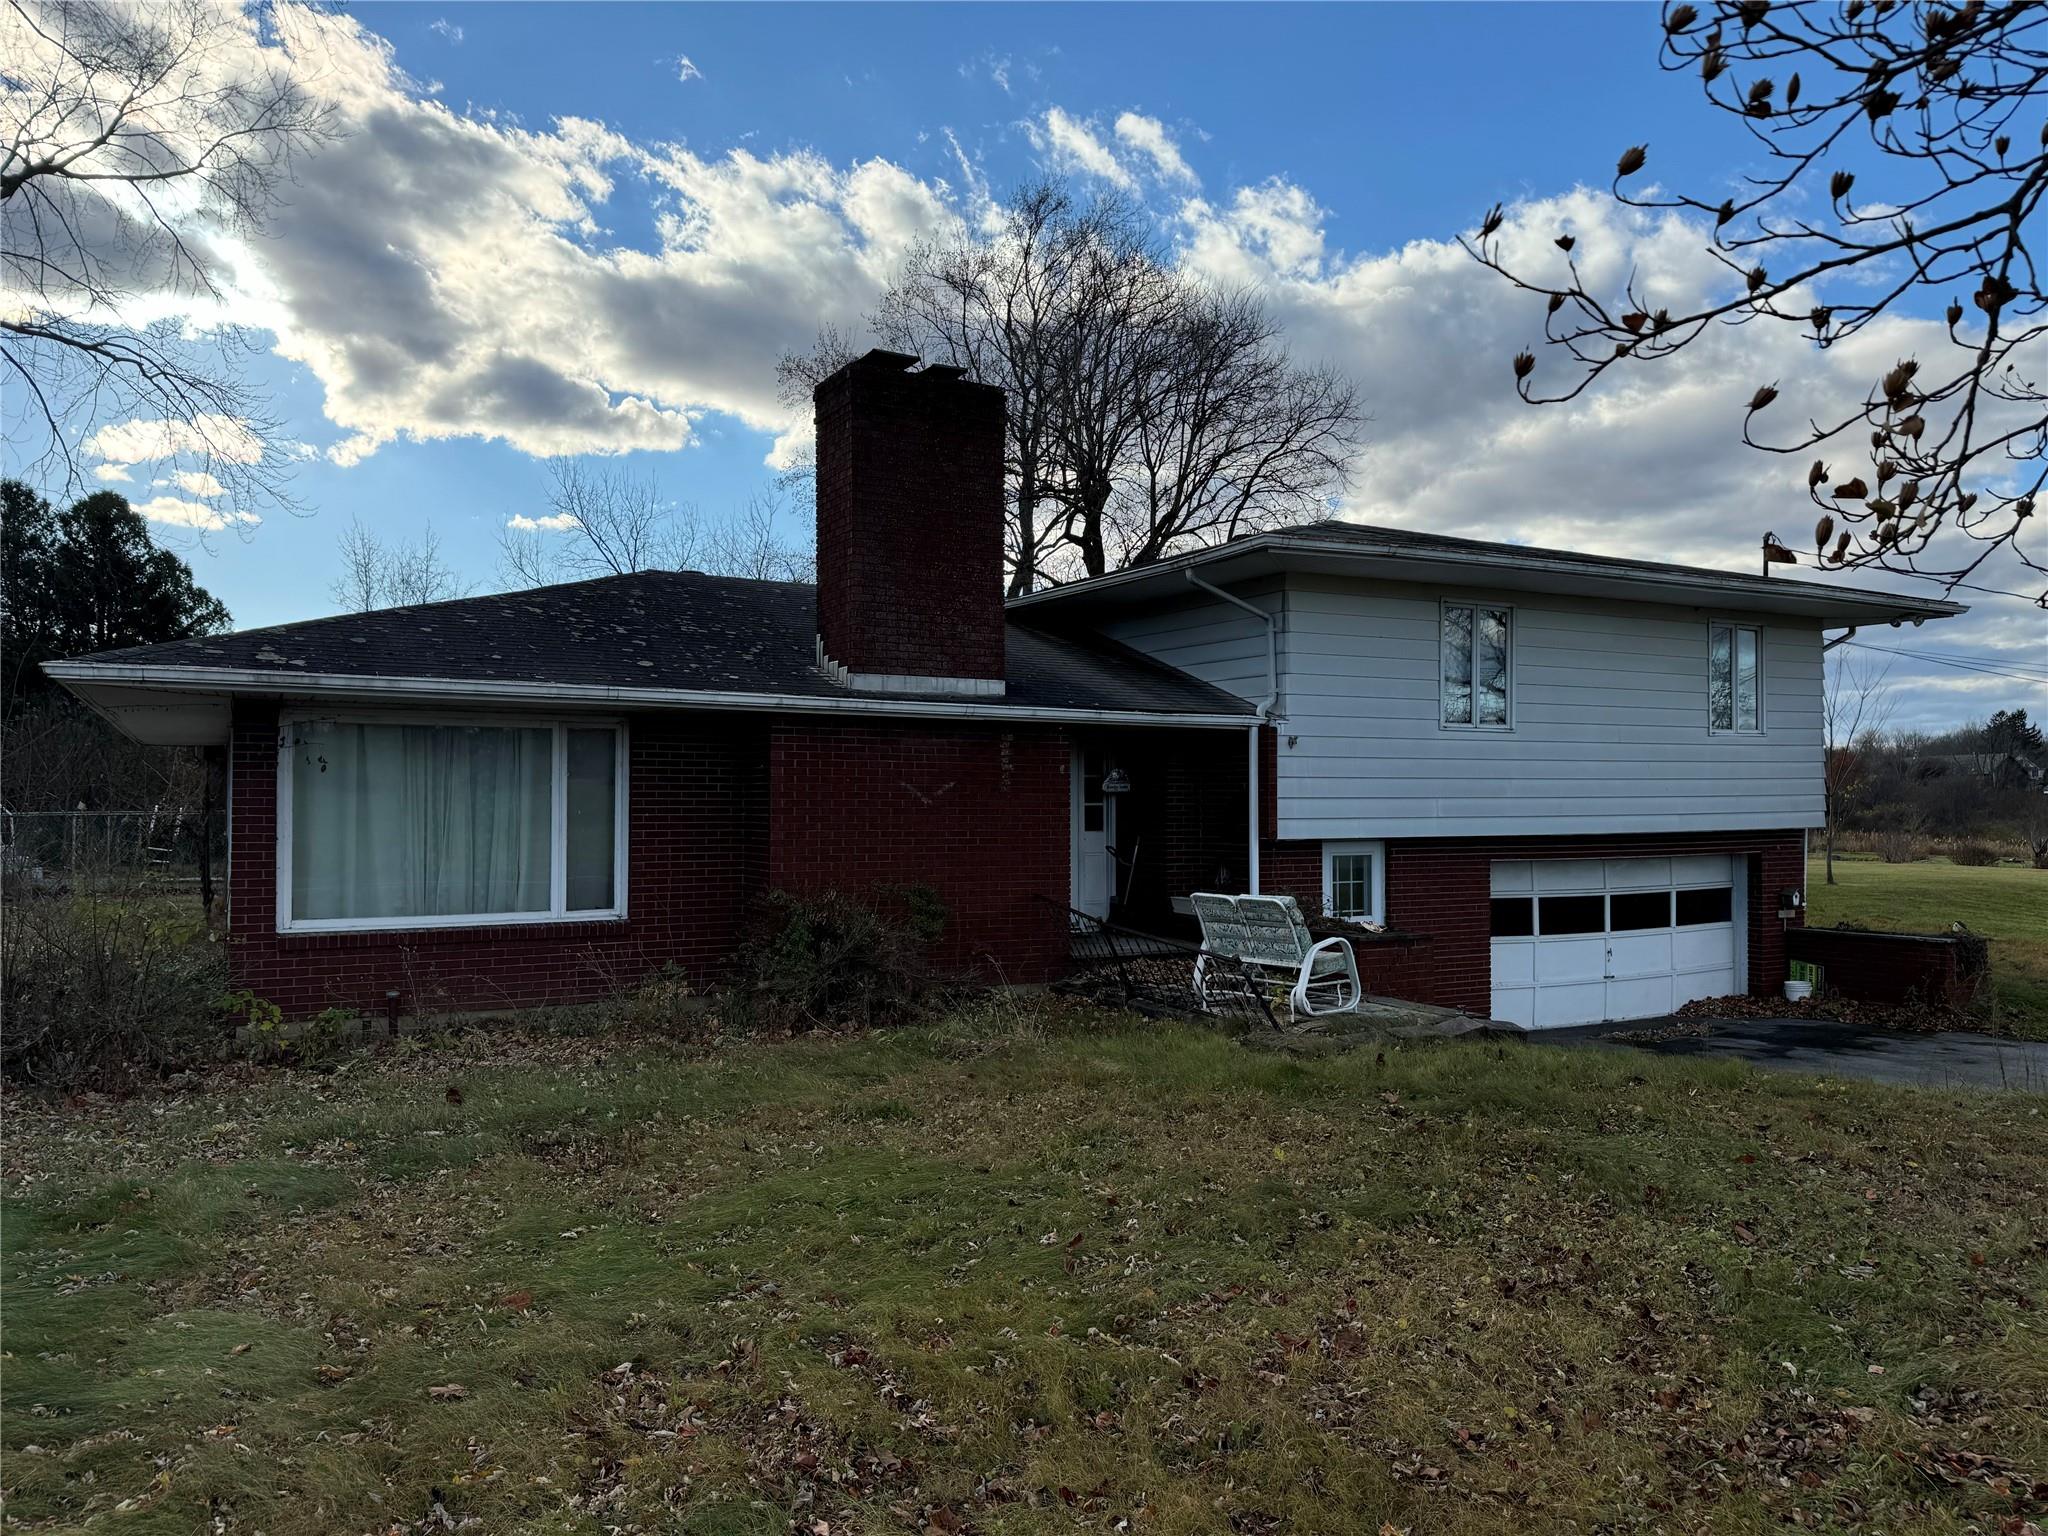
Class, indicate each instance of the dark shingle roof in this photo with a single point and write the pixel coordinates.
(678, 630)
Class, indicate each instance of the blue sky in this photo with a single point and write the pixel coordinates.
(550, 187)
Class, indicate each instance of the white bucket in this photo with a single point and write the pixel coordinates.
(1798, 991)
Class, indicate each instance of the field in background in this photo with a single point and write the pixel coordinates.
(1026, 1272)
(2007, 903)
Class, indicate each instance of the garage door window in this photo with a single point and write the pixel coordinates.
(1716, 904)
(1634, 911)
(1572, 914)
(1514, 917)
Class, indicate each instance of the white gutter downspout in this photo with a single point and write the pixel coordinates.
(1266, 709)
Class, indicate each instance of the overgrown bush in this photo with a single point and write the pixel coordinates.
(1973, 855)
(1897, 847)
(838, 961)
(100, 994)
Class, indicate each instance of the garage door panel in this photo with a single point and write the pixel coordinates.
(1580, 1003)
(1512, 877)
(1514, 963)
(1568, 875)
(1702, 869)
(1638, 874)
(1559, 961)
(1640, 997)
(1699, 949)
(1641, 954)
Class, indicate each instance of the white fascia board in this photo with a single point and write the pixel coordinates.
(233, 680)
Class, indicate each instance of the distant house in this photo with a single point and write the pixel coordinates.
(1578, 786)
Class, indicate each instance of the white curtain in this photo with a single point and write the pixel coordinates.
(419, 820)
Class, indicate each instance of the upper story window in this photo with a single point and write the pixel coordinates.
(395, 823)
(1476, 647)
(1735, 677)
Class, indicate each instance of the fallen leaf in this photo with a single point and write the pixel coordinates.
(449, 1393)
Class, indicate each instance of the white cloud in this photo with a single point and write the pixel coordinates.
(111, 474)
(142, 440)
(197, 482)
(1071, 145)
(553, 522)
(175, 512)
(1149, 137)
(447, 29)
(686, 71)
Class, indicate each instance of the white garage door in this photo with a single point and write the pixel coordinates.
(1579, 941)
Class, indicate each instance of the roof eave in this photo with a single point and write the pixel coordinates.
(85, 677)
(1270, 553)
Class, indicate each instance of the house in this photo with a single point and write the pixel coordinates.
(1575, 787)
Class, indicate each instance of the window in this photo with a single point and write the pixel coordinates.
(1735, 677)
(1572, 914)
(396, 823)
(1475, 655)
(1355, 881)
(1634, 911)
(1713, 905)
(1513, 917)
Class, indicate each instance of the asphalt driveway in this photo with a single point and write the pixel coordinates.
(1955, 1059)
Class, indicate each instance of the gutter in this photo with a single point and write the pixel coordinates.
(248, 681)
(1272, 701)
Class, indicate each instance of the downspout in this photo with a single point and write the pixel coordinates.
(1272, 702)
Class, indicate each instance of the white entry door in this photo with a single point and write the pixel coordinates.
(1094, 872)
(1582, 941)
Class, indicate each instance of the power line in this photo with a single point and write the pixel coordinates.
(1961, 666)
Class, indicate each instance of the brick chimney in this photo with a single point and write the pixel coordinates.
(910, 528)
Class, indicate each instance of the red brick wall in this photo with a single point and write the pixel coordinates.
(910, 521)
(1891, 968)
(697, 802)
(980, 815)
(1438, 891)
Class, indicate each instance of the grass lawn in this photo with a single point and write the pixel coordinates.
(1027, 1273)
(2005, 902)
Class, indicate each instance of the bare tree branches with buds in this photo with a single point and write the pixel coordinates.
(138, 140)
(1942, 111)
(1148, 413)
(372, 574)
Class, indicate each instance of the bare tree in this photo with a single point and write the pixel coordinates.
(751, 544)
(376, 575)
(602, 521)
(138, 137)
(1929, 97)
(1147, 412)
(1856, 705)
(619, 522)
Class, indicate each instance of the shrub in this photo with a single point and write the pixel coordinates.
(1973, 855)
(834, 960)
(1896, 847)
(101, 994)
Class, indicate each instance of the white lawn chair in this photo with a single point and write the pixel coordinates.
(1266, 936)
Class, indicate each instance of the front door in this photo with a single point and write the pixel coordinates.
(1094, 872)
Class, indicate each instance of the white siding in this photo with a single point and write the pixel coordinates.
(1610, 722)
(1215, 641)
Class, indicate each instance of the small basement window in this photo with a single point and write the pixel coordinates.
(1355, 881)
(1735, 677)
(403, 823)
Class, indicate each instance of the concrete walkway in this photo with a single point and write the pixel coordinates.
(1952, 1060)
